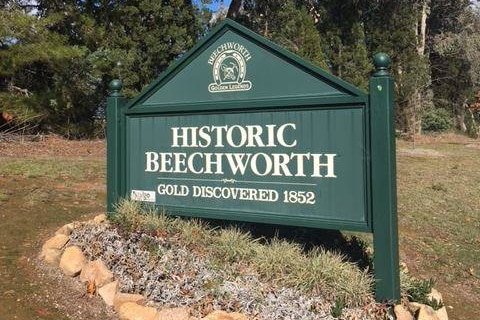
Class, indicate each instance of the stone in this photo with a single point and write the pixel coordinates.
(173, 314)
(403, 267)
(414, 306)
(435, 295)
(442, 313)
(426, 313)
(96, 272)
(58, 241)
(121, 298)
(66, 229)
(108, 292)
(222, 315)
(52, 256)
(72, 261)
(101, 218)
(401, 313)
(133, 311)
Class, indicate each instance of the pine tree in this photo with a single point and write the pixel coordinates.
(285, 23)
(30, 56)
(393, 27)
(134, 39)
(341, 28)
(65, 53)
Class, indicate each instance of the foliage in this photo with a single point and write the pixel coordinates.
(455, 57)
(33, 58)
(419, 291)
(57, 57)
(472, 123)
(283, 262)
(436, 120)
(337, 308)
(391, 28)
(341, 28)
(234, 245)
(56, 61)
(286, 23)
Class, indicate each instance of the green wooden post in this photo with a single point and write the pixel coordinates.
(384, 189)
(115, 144)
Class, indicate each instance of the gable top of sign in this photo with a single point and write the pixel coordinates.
(234, 66)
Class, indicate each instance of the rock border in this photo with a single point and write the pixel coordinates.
(100, 281)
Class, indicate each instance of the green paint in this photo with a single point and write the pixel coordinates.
(338, 201)
(241, 129)
(115, 145)
(384, 189)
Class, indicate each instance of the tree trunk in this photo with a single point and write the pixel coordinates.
(461, 125)
(422, 29)
(415, 126)
(235, 10)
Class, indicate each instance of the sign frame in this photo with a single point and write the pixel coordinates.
(379, 142)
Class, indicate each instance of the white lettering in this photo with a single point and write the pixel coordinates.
(281, 137)
(152, 162)
(329, 165)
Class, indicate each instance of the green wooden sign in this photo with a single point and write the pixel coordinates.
(241, 129)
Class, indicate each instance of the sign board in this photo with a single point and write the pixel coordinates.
(241, 129)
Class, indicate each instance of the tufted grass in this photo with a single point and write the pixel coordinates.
(283, 263)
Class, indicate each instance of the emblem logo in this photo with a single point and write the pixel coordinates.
(229, 66)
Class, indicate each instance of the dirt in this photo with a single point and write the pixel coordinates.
(450, 137)
(53, 146)
(419, 152)
(31, 209)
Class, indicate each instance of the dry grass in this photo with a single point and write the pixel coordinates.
(48, 168)
(439, 217)
(279, 261)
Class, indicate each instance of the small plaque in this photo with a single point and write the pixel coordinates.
(143, 195)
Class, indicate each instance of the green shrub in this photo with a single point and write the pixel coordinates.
(337, 309)
(419, 291)
(437, 120)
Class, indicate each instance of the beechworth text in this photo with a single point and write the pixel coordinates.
(254, 137)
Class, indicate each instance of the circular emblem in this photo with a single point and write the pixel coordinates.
(229, 69)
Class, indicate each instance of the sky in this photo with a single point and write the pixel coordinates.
(215, 4)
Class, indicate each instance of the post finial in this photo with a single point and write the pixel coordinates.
(116, 86)
(382, 63)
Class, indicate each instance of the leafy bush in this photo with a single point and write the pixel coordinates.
(436, 120)
(419, 291)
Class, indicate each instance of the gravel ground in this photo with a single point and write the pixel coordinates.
(171, 275)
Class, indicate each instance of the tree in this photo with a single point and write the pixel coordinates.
(393, 27)
(64, 53)
(341, 28)
(285, 22)
(454, 41)
(30, 56)
(134, 39)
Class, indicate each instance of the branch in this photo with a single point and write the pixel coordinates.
(235, 10)
(13, 88)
